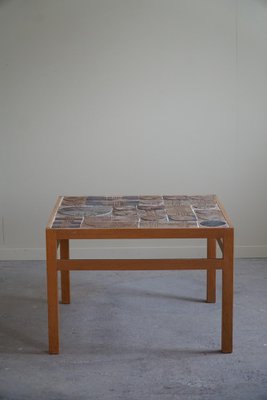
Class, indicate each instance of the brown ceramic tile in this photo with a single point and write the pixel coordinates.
(166, 225)
(110, 223)
(73, 201)
(209, 214)
(181, 213)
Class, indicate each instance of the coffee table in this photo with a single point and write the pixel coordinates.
(140, 217)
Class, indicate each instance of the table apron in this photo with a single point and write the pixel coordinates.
(198, 233)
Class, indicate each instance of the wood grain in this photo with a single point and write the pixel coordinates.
(211, 273)
(65, 275)
(52, 292)
(138, 264)
(227, 293)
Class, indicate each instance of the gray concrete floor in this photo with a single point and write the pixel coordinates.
(132, 336)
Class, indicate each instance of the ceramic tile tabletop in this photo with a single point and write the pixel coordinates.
(131, 212)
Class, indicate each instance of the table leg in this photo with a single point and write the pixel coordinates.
(52, 292)
(211, 273)
(227, 293)
(65, 275)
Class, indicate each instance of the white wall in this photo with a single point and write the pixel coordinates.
(132, 96)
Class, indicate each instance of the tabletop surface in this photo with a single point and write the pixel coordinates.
(132, 212)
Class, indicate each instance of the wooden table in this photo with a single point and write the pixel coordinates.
(140, 217)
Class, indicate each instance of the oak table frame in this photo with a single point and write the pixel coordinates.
(59, 238)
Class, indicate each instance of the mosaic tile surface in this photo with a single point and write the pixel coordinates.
(99, 212)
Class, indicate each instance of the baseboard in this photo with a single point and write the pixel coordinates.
(131, 252)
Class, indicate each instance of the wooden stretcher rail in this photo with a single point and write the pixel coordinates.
(139, 264)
